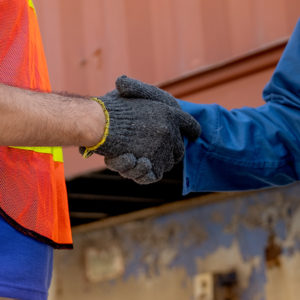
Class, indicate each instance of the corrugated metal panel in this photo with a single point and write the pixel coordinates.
(233, 83)
(89, 43)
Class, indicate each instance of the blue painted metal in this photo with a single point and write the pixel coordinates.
(198, 232)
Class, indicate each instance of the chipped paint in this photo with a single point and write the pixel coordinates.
(103, 264)
(283, 282)
(227, 259)
(256, 235)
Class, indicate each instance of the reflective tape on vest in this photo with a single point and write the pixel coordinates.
(30, 3)
(56, 152)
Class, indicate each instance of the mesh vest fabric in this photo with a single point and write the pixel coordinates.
(33, 195)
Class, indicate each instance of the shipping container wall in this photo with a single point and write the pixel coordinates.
(90, 43)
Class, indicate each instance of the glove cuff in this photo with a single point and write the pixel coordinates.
(90, 150)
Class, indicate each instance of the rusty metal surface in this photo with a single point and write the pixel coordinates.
(89, 43)
(256, 235)
(213, 76)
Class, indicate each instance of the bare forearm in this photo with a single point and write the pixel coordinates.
(30, 118)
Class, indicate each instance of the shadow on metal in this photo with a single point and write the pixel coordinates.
(101, 194)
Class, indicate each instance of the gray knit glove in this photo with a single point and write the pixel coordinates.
(133, 88)
(145, 136)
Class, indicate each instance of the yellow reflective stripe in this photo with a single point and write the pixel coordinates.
(30, 3)
(55, 151)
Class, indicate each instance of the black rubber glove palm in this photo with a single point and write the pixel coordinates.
(158, 124)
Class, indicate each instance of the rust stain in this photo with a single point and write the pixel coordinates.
(98, 56)
(272, 252)
(95, 58)
(83, 63)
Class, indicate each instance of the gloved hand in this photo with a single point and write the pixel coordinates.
(133, 88)
(145, 136)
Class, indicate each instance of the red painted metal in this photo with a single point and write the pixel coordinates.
(89, 43)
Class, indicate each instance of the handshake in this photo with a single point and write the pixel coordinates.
(144, 131)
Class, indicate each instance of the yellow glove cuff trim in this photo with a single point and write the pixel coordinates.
(89, 150)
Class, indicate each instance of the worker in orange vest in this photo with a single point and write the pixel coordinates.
(34, 215)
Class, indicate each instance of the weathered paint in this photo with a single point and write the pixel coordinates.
(257, 235)
(89, 43)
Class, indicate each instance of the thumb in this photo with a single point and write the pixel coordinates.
(133, 88)
(188, 125)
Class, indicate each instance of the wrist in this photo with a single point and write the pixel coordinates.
(95, 129)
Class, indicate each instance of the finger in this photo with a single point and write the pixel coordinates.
(121, 163)
(148, 178)
(142, 167)
(188, 126)
(133, 88)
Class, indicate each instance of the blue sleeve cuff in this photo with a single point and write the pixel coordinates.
(242, 149)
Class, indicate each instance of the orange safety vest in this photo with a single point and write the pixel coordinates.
(33, 195)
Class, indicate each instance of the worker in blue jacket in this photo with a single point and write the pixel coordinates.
(245, 148)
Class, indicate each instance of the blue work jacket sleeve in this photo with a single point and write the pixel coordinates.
(249, 148)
